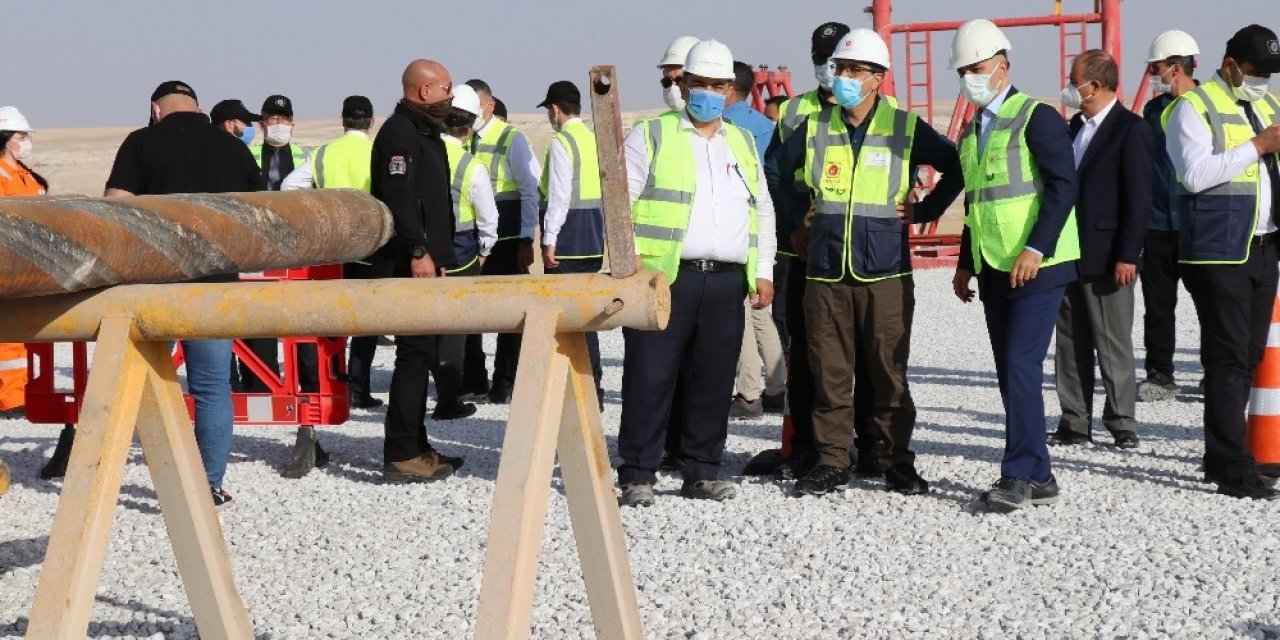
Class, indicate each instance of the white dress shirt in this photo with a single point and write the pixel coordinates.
(719, 222)
(1088, 128)
(481, 193)
(1190, 146)
(300, 177)
(559, 189)
(525, 169)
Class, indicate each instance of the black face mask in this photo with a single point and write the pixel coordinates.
(436, 112)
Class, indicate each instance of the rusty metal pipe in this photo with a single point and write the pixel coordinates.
(65, 244)
(397, 306)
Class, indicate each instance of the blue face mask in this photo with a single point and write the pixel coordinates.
(848, 92)
(248, 135)
(705, 105)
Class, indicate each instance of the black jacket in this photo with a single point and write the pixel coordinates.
(410, 174)
(1113, 205)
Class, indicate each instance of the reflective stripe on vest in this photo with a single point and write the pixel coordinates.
(300, 154)
(661, 212)
(462, 168)
(1003, 188)
(856, 221)
(343, 163)
(1210, 217)
(582, 234)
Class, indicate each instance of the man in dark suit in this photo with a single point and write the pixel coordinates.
(1113, 155)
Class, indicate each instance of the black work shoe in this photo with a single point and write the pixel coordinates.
(1044, 492)
(1126, 439)
(365, 401)
(743, 409)
(868, 464)
(1250, 488)
(903, 478)
(1065, 437)
(499, 395)
(775, 403)
(822, 480)
(709, 490)
(801, 462)
(1008, 494)
(670, 462)
(453, 411)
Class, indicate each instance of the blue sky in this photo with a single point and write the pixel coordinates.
(87, 63)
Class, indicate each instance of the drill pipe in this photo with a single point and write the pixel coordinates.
(64, 244)
(396, 306)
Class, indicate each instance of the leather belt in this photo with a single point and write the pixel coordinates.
(711, 266)
(1265, 239)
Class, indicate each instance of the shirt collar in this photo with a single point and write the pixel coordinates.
(993, 107)
(570, 121)
(1102, 115)
(480, 132)
(686, 123)
(355, 132)
(446, 136)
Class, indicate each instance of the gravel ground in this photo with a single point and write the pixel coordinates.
(1138, 547)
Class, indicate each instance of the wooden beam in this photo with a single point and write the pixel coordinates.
(593, 504)
(524, 481)
(606, 115)
(183, 491)
(86, 510)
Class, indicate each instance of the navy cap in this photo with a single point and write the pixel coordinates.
(562, 91)
(357, 107)
(277, 105)
(171, 87)
(1256, 45)
(232, 110)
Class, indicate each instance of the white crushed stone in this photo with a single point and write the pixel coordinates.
(1138, 547)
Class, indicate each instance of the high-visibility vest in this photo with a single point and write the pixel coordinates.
(300, 155)
(1003, 188)
(1218, 223)
(661, 213)
(343, 163)
(856, 230)
(793, 113)
(493, 150)
(462, 168)
(582, 235)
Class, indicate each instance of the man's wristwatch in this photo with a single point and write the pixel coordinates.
(419, 251)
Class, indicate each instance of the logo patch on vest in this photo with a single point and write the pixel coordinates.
(397, 166)
(833, 170)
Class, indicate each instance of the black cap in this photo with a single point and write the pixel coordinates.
(232, 110)
(1256, 45)
(561, 91)
(277, 106)
(171, 87)
(357, 107)
(828, 34)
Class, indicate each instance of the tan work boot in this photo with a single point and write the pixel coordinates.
(427, 467)
(4, 478)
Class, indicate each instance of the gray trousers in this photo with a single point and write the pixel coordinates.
(1096, 317)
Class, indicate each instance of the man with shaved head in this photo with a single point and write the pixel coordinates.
(411, 176)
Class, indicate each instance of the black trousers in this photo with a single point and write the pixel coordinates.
(362, 348)
(587, 265)
(700, 347)
(502, 261)
(1234, 305)
(801, 384)
(267, 350)
(1160, 295)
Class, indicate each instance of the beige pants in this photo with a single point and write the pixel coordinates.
(761, 367)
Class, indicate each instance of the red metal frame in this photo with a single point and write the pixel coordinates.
(283, 404)
(773, 83)
(929, 247)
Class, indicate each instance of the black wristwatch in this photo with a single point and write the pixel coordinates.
(419, 251)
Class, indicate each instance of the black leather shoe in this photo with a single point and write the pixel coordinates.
(868, 464)
(903, 478)
(1064, 437)
(453, 411)
(365, 401)
(1044, 492)
(799, 465)
(1250, 488)
(775, 403)
(1008, 494)
(1126, 440)
(499, 395)
(822, 480)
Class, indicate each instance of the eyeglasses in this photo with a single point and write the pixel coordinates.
(447, 88)
(853, 68)
(667, 82)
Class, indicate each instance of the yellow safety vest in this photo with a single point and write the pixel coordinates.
(582, 235)
(462, 168)
(1003, 189)
(343, 163)
(300, 154)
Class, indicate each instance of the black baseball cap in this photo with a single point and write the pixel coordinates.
(232, 110)
(1256, 45)
(277, 106)
(171, 87)
(562, 91)
(357, 107)
(828, 34)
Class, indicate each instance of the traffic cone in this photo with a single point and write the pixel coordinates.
(1264, 403)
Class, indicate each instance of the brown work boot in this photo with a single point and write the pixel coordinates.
(427, 467)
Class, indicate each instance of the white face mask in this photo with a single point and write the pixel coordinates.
(1071, 98)
(1159, 85)
(671, 96)
(825, 74)
(23, 152)
(976, 88)
(1253, 89)
(279, 135)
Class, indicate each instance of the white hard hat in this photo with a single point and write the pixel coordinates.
(977, 40)
(1172, 43)
(678, 51)
(863, 45)
(710, 59)
(465, 98)
(12, 120)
